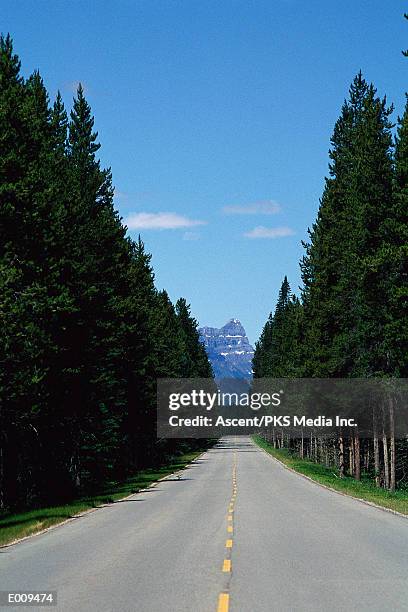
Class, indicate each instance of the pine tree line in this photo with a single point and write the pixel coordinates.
(351, 319)
(84, 332)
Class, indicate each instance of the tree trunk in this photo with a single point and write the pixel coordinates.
(376, 451)
(385, 452)
(341, 455)
(392, 443)
(368, 458)
(351, 455)
(357, 459)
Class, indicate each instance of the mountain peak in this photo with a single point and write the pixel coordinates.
(228, 350)
(233, 328)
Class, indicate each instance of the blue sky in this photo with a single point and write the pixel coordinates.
(215, 116)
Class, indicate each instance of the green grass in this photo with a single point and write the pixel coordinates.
(16, 526)
(364, 489)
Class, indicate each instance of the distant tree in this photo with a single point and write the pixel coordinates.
(262, 348)
(195, 363)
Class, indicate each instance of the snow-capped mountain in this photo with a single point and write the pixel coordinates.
(228, 350)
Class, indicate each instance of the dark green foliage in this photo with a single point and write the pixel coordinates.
(262, 349)
(194, 357)
(343, 286)
(278, 352)
(352, 319)
(393, 258)
(84, 332)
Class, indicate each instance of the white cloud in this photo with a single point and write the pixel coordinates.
(263, 207)
(161, 220)
(269, 232)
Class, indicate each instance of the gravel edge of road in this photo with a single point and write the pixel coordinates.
(319, 484)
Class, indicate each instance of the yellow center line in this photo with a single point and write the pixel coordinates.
(223, 598)
(223, 602)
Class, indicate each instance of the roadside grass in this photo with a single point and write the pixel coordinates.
(364, 489)
(13, 527)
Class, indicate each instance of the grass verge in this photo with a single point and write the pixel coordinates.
(364, 489)
(14, 527)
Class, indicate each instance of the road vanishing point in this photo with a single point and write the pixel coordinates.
(233, 532)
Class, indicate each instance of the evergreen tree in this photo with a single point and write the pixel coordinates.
(351, 321)
(84, 333)
(100, 256)
(32, 295)
(340, 297)
(195, 362)
(262, 349)
(393, 260)
(278, 352)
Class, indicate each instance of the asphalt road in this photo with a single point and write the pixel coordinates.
(237, 532)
